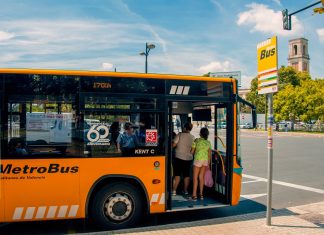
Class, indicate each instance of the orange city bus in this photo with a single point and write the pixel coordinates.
(59, 152)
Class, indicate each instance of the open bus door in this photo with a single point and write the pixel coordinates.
(201, 114)
(223, 152)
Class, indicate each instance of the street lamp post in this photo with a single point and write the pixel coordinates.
(148, 47)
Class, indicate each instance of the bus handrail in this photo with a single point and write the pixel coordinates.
(222, 160)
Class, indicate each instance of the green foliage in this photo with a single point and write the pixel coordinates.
(287, 75)
(303, 102)
(286, 104)
(299, 97)
(311, 95)
(258, 100)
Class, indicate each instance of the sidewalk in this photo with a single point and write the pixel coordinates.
(306, 219)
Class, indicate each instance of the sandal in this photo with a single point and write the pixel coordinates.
(201, 197)
(185, 194)
(194, 198)
(174, 193)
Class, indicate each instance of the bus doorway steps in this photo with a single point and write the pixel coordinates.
(179, 202)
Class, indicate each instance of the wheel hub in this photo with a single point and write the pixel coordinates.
(118, 207)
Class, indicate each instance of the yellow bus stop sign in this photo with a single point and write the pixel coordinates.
(267, 54)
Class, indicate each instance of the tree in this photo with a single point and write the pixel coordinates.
(304, 102)
(311, 95)
(288, 75)
(286, 104)
(256, 99)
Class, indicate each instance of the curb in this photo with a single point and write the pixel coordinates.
(229, 219)
(305, 212)
(296, 212)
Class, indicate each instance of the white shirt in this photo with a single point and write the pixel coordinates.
(182, 150)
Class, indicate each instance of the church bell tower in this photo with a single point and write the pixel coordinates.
(298, 57)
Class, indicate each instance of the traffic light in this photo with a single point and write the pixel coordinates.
(319, 10)
(286, 20)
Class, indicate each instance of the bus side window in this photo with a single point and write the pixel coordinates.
(17, 148)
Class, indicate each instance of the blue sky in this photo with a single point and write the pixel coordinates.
(192, 37)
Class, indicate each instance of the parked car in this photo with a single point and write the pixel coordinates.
(246, 126)
(222, 125)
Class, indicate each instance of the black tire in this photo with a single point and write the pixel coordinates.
(117, 206)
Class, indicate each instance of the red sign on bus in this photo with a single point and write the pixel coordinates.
(151, 137)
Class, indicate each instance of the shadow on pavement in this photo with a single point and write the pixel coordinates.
(171, 219)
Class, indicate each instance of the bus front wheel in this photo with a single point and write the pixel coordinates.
(117, 206)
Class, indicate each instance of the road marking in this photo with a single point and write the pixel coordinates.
(315, 190)
(251, 196)
(254, 136)
(251, 181)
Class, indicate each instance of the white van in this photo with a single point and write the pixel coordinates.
(49, 128)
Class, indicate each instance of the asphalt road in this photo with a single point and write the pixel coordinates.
(297, 172)
(298, 163)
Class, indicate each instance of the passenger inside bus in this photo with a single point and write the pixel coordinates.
(17, 147)
(127, 141)
(114, 130)
(183, 158)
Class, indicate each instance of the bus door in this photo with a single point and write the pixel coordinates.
(200, 114)
(229, 171)
(220, 152)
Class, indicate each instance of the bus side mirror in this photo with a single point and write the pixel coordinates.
(254, 118)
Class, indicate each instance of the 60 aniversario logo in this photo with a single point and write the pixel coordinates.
(97, 135)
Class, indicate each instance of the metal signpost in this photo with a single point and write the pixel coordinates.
(232, 74)
(267, 54)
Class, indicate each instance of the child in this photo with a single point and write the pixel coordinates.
(201, 148)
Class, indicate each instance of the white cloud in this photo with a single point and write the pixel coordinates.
(266, 20)
(63, 43)
(320, 33)
(277, 1)
(218, 5)
(107, 66)
(216, 66)
(8, 58)
(246, 81)
(138, 18)
(4, 36)
(95, 45)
